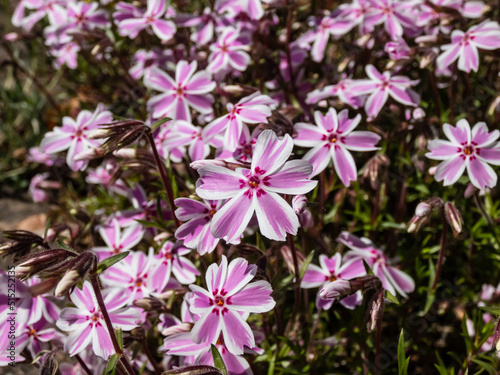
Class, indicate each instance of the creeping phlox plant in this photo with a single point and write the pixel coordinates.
(252, 186)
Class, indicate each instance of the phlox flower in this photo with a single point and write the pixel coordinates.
(145, 60)
(328, 26)
(18, 16)
(204, 26)
(393, 279)
(381, 86)
(464, 46)
(468, 9)
(86, 323)
(83, 16)
(74, 136)
(197, 217)
(245, 148)
(104, 175)
(189, 89)
(6, 355)
(134, 273)
(182, 344)
(332, 138)
(228, 51)
(35, 336)
(257, 190)
(38, 186)
(66, 54)
(184, 134)
(41, 8)
(252, 8)
(152, 17)
(396, 16)
(162, 138)
(171, 260)
(253, 109)
(118, 241)
(229, 295)
(472, 149)
(332, 269)
(342, 90)
(41, 305)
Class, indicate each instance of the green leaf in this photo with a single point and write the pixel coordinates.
(63, 246)
(218, 361)
(158, 123)
(108, 262)
(402, 362)
(119, 337)
(495, 310)
(47, 227)
(391, 298)
(486, 366)
(111, 367)
(306, 263)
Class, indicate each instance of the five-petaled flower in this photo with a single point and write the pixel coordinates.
(464, 46)
(466, 148)
(86, 323)
(229, 296)
(257, 190)
(331, 139)
(74, 135)
(189, 89)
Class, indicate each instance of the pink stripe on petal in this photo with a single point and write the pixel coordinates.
(481, 174)
(373, 73)
(254, 114)
(200, 83)
(491, 155)
(330, 265)
(159, 80)
(184, 270)
(319, 46)
(189, 208)
(232, 219)
(165, 30)
(275, 216)
(319, 157)
(401, 95)
(270, 153)
(254, 298)
(402, 282)
(442, 150)
(201, 103)
(352, 268)
(237, 333)
(84, 299)
(239, 60)
(323, 304)
(449, 56)
(207, 329)
(239, 274)
(344, 164)
(347, 125)
(460, 134)
(375, 102)
(293, 178)
(481, 135)
(184, 71)
(161, 105)
(78, 340)
(201, 300)
(218, 182)
(181, 110)
(101, 342)
(361, 141)
(450, 170)
(314, 277)
(308, 135)
(216, 276)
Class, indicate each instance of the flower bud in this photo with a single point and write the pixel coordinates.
(470, 191)
(50, 365)
(203, 163)
(423, 209)
(21, 242)
(376, 309)
(149, 304)
(178, 328)
(299, 203)
(78, 268)
(38, 262)
(336, 289)
(93, 153)
(453, 217)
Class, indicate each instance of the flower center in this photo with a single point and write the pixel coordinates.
(32, 332)
(79, 133)
(219, 301)
(332, 277)
(96, 316)
(138, 282)
(254, 182)
(179, 91)
(333, 138)
(468, 150)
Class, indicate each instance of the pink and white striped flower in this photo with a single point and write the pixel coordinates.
(197, 217)
(257, 190)
(393, 279)
(74, 136)
(472, 149)
(169, 261)
(189, 89)
(118, 241)
(327, 27)
(184, 134)
(332, 138)
(205, 25)
(35, 337)
(396, 16)
(228, 51)
(342, 90)
(381, 86)
(464, 46)
(230, 294)
(253, 109)
(333, 269)
(152, 17)
(86, 323)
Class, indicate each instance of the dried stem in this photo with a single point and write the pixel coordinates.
(146, 350)
(97, 290)
(296, 304)
(163, 175)
(83, 364)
